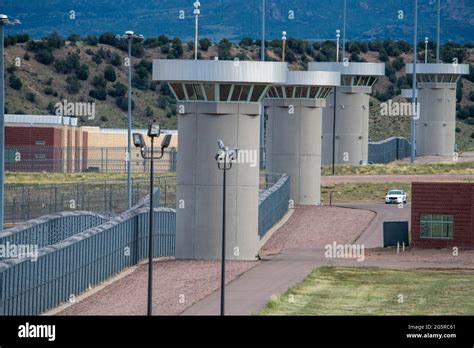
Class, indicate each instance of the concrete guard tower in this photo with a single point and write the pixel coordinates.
(293, 146)
(217, 100)
(436, 126)
(352, 113)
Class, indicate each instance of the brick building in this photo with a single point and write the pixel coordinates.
(42, 143)
(442, 215)
(36, 143)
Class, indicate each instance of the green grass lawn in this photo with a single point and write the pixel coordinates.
(362, 192)
(57, 178)
(375, 291)
(398, 168)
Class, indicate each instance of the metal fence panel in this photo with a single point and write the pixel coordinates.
(389, 150)
(273, 204)
(68, 268)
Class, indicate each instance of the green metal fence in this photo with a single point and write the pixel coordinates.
(50, 229)
(273, 204)
(24, 202)
(73, 265)
(389, 150)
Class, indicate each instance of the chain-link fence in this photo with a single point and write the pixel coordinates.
(37, 158)
(28, 201)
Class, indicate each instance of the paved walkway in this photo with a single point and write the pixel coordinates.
(373, 235)
(249, 293)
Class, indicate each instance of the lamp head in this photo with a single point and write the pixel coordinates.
(154, 130)
(138, 140)
(166, 141)
(129, 33)
(220, 144)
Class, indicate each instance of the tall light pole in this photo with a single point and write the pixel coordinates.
(344, 31)
(197, 12)
(3, 22)
(225, 157)
(283, 45)
(438, 43)
(153, 132)
(414, 91)
(130, 36)
(262, 110)
(262, 53)
(426, 50)
(338, 36)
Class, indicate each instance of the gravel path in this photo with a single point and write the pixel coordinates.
(177, 285)
(395, 178)
(312, 226)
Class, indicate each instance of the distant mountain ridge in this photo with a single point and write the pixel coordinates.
(232, 19)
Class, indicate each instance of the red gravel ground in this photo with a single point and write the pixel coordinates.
(312, 226)
(177, 285)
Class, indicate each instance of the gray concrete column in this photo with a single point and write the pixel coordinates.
(294, 145)
(199, 182)
(436, 127)
(352, 126)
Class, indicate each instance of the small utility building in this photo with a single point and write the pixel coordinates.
(442, 215)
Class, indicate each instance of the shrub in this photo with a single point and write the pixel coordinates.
(98, 93)
(54, 40)
(109, 74)
(15, 82)
(45, 57)
(31, 97)
(99, 81)
(82, 72)
(91, 40)
(122, 103)
(119, 90)
(73, 86)
(49, 90)
(204, 44)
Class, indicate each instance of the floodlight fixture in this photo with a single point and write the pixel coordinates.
(138, 140)
(220, 144)
(154, 130)
(165, 143)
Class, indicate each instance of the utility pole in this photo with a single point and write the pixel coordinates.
(414, 91)
(3, 22)
(344, 31)
(197, 12)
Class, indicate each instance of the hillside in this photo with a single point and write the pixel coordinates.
(92, 70)
(306, 19)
